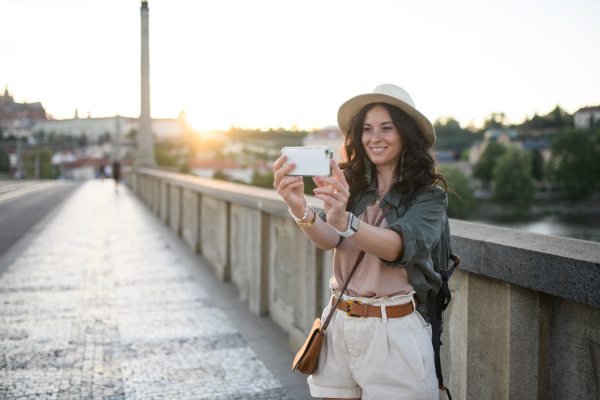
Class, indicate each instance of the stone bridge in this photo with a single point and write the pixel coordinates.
(525, 317)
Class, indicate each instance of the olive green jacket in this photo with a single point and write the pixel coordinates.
(420, 228)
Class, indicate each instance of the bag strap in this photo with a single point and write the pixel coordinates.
(436, 330)
(359, 259)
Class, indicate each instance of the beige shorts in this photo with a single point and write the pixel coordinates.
(376, 358)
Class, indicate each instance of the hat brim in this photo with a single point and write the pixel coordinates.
(350, 108)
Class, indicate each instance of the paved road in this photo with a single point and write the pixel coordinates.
(103, 304)
(25, 203)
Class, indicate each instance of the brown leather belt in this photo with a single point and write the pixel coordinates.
(358, 309)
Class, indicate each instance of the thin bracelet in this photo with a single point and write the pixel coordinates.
(299, 220)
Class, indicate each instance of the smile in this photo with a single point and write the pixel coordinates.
(378, 149)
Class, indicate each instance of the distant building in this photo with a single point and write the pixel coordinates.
(95, 129)
(587, 118)
(17, 119)
(329, 136)
(25, 119)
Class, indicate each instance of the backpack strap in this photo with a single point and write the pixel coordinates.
(436, 331)
(436, 304)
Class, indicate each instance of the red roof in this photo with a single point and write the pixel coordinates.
(591, 108)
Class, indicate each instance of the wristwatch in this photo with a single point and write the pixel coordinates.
(352, 226)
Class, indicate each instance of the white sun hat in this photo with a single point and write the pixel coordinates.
(389, 94)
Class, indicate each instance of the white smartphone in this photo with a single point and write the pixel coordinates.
(310, 160)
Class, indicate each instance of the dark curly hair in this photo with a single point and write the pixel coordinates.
(419, 164)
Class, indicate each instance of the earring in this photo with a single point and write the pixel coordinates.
(401, 177)
(368, 164)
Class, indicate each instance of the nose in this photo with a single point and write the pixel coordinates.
(377, 134)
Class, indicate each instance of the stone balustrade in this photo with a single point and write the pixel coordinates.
(524, 321)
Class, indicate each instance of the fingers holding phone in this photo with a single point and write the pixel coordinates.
(334, 192)
(290, 188)
(334, 186)
(281, 170)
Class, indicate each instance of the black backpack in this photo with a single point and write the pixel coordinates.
(436, 303)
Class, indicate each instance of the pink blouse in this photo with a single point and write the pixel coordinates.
(372, 278)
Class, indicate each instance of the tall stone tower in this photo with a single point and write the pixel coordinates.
(145, 141)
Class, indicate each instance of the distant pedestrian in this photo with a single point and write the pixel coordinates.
(101, 172)
(108, 170)
(116, 174)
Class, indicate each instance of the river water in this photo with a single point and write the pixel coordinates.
(571, 226)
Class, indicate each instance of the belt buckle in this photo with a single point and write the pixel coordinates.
(348, 313)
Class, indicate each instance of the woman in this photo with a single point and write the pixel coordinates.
(387, 147)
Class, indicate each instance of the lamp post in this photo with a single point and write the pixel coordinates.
(145, 145)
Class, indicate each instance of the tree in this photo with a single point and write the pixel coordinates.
(263, 180)
(185, 168)
(4, 160)
(44, 157)
(485, 166)
(461, 196)
(557, 118)
(451, 136)
(164, 158)
(573, 165)
(221, 175)
(537, 165)
(513, 179)
(494, 121)
(597, 159)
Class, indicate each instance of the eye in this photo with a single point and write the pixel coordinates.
(387, 128)
(367, 129)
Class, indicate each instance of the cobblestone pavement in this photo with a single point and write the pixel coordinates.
(99, 307)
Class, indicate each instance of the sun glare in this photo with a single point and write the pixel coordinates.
(206, 126)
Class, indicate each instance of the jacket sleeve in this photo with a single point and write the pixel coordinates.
(420, 229)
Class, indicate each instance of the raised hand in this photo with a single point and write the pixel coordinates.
(334, 192)
(290, 188)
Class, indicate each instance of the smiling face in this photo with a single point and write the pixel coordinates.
(381, 139)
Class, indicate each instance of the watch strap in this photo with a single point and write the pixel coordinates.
(352, 226)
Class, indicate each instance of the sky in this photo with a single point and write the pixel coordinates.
(261, 64)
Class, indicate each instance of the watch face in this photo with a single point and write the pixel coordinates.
(354, 223)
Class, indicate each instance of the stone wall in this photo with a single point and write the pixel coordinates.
(524, 321)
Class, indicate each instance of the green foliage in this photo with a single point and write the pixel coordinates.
(494, 121)
(537, 165)
(266, 181)
(185, 168)
(596, 165)
(513, 179)
(557, 118)
(4, 160)
(451, 136)
(220, 175)
(263, 180)
(461, 195)
(164, 158)
(271, 133)
(309, 186)
(44, 155)
(485, 166)
(574, 165)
